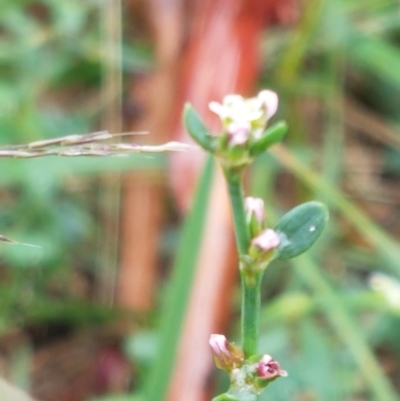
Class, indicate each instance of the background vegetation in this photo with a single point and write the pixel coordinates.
(337, 71)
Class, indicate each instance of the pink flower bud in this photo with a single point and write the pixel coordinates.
(267, 240)
(238, 133)
(270, 101)
(219, 344)
(227, 356)
(268, 368)
(255, 206)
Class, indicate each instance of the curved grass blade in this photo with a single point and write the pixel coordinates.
(181, 283)
(346, 329)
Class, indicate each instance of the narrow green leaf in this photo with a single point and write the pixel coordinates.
(196, 128)
(300, 228)
(228, 397)
(270, 137)
(174, 309)
(376, 56)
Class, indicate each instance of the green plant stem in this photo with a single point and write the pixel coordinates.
(251, 303)
(239, 216)
(250, 280)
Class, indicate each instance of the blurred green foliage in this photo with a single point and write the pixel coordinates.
(51, 73)
(321, 320)
(36, 54)
(337, 337)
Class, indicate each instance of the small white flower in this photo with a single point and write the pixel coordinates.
(270, 101)
(236, 108)
(388, 286)
(241, 116)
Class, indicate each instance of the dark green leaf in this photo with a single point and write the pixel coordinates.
(300, 228)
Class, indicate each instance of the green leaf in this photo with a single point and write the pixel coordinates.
(300, 228)
(376, 56)
(270, 137)
(175, 305)
(228, 397)
(196, 128)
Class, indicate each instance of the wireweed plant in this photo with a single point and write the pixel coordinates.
(243, 138)
(338, 70)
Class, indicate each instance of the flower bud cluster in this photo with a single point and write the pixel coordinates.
(243, 121)
(251, 375)
(263, 240)
(243, 118)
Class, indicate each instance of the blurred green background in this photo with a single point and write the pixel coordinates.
(331, 317)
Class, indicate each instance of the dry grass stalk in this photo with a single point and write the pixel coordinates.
(86, 145)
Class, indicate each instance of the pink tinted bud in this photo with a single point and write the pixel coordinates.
(268, 368)
(219, 343)
(227, 356)
(267, 240)
(255, 206)
(270, 101)
(238, 133)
